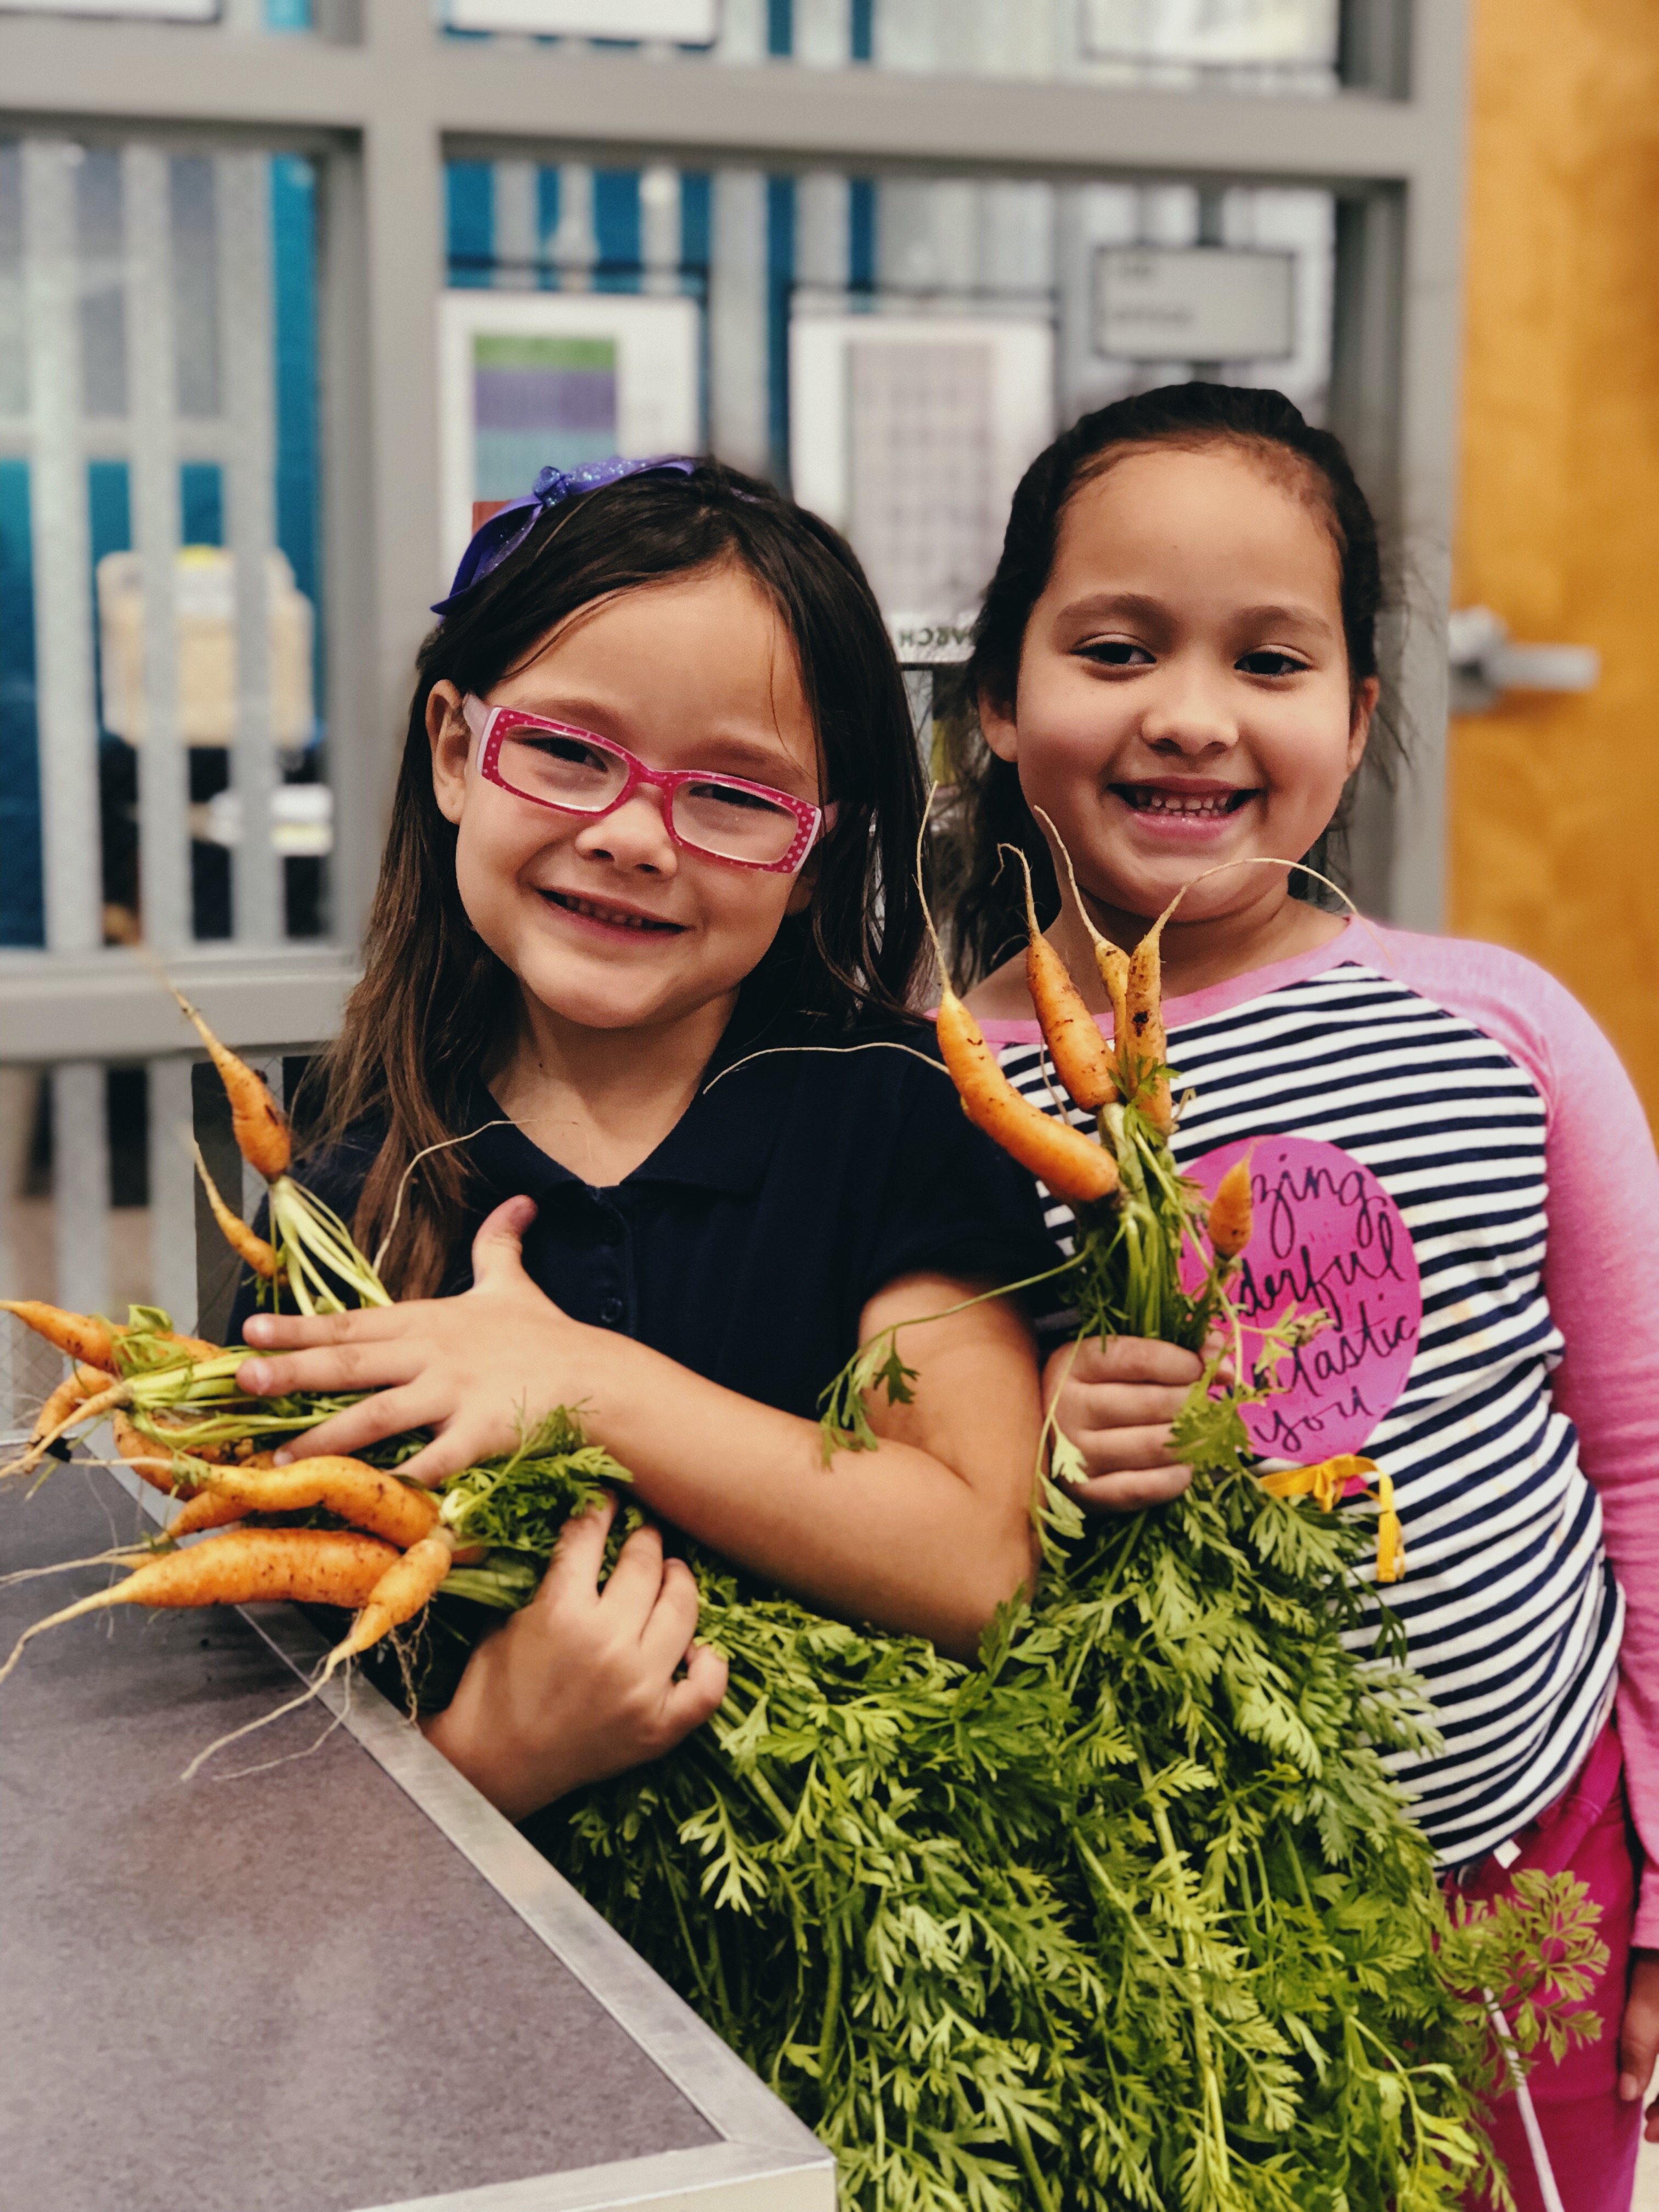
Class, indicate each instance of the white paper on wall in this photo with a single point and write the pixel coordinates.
(910, 432)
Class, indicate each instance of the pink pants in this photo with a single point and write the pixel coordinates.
(1591, 2138)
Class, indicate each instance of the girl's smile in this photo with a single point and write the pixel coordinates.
(1188, 809)
(609, 919)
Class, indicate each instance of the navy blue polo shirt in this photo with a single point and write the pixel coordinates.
(791, 1190)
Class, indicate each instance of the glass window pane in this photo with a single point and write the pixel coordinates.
(160, 650)
(1235, 45)
(900, 346)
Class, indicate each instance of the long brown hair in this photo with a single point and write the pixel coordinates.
(434, 1001)
(987, 809)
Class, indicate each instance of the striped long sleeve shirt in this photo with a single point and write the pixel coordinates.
(1506, 1374)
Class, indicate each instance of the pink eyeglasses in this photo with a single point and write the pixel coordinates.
(724, 816)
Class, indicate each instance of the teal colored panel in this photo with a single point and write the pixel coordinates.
(201, 504)
(22, 889)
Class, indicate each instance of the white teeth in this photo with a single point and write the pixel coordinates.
(1172, 802)
(607, 913)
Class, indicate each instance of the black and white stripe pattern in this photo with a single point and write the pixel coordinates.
(1512, 1611)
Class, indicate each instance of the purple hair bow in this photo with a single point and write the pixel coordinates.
(508, 527)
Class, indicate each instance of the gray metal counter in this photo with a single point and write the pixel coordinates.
(337, 1980)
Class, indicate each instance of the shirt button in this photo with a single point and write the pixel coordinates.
(611, 1229)
(611, 1311)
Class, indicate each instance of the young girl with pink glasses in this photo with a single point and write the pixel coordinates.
(655, 833)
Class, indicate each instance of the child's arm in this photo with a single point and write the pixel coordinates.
(584, 1682)
(927, 1534)
(1601, 1276)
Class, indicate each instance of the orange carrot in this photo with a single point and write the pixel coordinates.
(401, 1592)
(89, 1410)
(307, 1566)
(1111, 960)
(1114, 966)
(1075, 1166)
(150, 1459)
(82, 1336)
(1082, 1057)
(246, 1242)
(1230, 1216)
(206, 1510)
(74, 1390)
(258, 1123)
(368, 1497)
(1143, 1036)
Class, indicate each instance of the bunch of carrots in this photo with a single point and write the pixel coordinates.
(181, 1425)
(1136, 1213)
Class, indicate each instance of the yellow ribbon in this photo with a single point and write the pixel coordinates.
(1325, 1483)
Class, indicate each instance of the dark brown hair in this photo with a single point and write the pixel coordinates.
(988, 808)
(434, 1001)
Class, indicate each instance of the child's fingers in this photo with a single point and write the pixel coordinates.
(1132, 1489)
(388, 1413)
(336, 1368)
(1117, 1450)
(673, 1618)
(697, 1697)
(1133, 1359)
(1105, 1405)
(307, 1331)
(497, 1249)
(634, 1584)
(574, 1571)
(459, 1441)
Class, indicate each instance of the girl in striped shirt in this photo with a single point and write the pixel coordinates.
(1176, 667)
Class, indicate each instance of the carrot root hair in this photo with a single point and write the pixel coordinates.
(89, 1409)
(252, 1728)
(115, 1595)
(399, 1594)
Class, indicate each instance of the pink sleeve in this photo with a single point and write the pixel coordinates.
(1601, 1278)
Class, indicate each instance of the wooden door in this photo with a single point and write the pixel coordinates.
(1555, 799)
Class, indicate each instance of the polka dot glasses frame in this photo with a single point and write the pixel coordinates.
(724, 817)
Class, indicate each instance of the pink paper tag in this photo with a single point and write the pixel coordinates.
(1326, 1234)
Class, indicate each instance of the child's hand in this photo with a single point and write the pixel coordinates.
(468, 1368)
(581, 1684)
(1115, 1402)
(1639, 2036)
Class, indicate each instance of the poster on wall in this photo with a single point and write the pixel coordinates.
(1216, 34)
(1195, 303)
(910, 432)
(532, 378)
(687, 22)
(153, 11)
